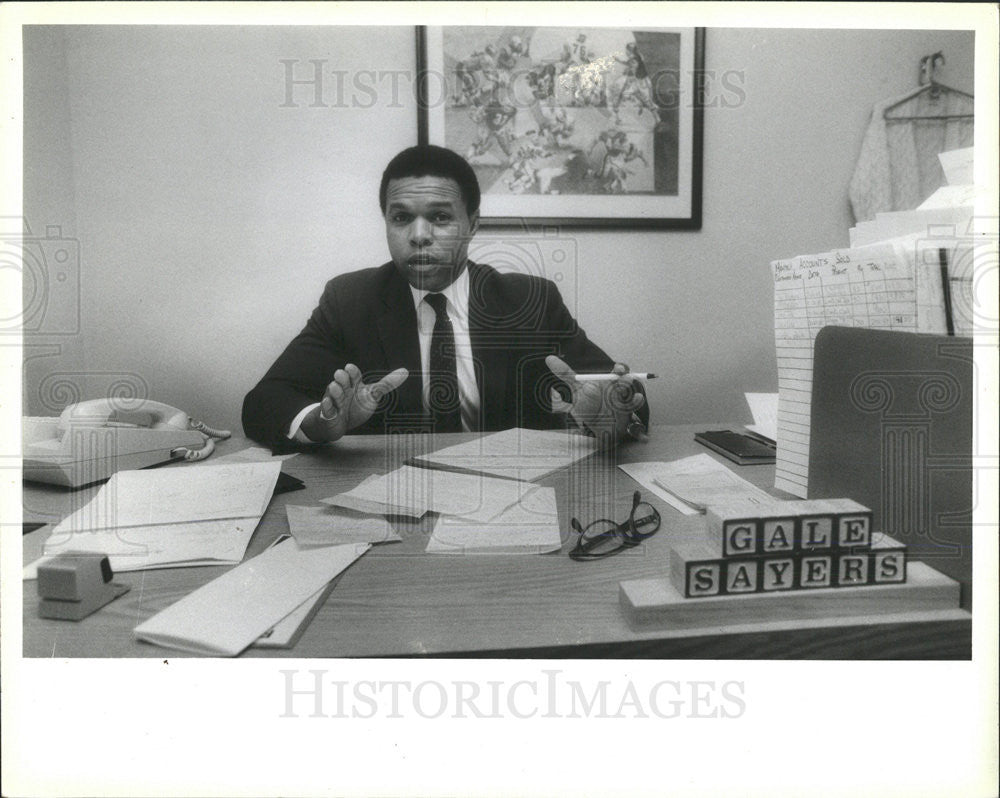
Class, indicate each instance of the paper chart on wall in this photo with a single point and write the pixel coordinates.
(865, 287)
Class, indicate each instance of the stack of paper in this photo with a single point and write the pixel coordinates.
(525, 454)
(692, 484)
(231, 612)
(170, 517)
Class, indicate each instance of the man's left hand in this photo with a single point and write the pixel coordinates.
(605, 408)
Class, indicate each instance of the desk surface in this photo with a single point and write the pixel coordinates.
(399, 601)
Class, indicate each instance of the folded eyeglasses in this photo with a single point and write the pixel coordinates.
(604, 537)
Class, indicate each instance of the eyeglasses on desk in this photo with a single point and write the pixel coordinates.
(604, 537)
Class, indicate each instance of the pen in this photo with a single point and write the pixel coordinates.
(640, 375)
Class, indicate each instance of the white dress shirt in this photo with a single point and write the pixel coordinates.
(457, 296)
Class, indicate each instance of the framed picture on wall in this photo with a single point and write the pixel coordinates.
(596, 127)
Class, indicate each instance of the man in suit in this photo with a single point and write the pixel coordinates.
(431, 340)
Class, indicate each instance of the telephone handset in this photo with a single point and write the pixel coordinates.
(148, 414)
(92, 440)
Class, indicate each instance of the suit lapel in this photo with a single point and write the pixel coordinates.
(491, 352)
(397, 331)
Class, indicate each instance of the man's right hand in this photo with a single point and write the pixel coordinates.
(348, 403)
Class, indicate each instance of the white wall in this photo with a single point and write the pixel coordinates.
(209, 216)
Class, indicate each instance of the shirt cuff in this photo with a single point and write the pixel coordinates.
(295, 432)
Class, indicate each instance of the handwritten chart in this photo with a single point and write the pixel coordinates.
(866, 287)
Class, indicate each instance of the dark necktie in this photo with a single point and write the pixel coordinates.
(443, 399)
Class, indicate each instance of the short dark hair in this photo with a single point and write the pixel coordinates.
(429, 160)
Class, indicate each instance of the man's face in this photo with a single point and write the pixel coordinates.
(428, 230)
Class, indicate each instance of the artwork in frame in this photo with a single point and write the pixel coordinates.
(593, 127)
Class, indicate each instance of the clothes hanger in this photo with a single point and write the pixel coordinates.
(930, 87)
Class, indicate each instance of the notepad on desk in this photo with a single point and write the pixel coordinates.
(741, 449)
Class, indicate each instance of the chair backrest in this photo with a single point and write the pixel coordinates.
(892, 428)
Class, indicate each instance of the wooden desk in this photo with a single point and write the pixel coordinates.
(398, 601)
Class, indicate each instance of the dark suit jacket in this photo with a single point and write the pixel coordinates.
(368, 318)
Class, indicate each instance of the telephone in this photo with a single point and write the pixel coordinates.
(92, 440)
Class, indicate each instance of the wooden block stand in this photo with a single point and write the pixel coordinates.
(652, 603)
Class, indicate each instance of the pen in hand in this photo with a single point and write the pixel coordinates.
(642, 375)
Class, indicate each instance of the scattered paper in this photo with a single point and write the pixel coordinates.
(286, 632)
(413, 491)
(171, 517)
(177, 495)
(330, 526)
(231, 612)
(530, 527)
(525, 454)
(694, 483)
(764, 408)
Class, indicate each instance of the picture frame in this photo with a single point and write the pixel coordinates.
(586, 127)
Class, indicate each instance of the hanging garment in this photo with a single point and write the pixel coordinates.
(898, 166)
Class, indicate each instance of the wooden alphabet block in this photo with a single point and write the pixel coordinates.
(814, 571)
(816, 532)
(704, 580)
(852, 569)
(778, 536)
(787, 527)
(777, 573)
(889, 566)
(741, 576)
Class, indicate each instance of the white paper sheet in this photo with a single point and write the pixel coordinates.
(692, 483)
(957, 166)
(529, 527)
(525, 454)
(282, 633)
(764, 408)
(286, 632)
(331, 526)
(231, 612)
(413, 491)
